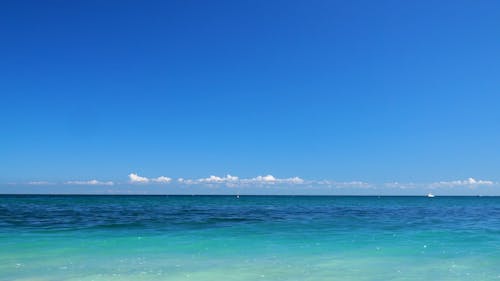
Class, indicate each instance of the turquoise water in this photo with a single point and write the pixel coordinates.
(250, 238)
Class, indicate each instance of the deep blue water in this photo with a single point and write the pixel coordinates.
(249, 238)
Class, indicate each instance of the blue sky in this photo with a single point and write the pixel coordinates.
(372, 92)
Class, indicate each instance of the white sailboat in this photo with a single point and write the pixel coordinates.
(430, 195)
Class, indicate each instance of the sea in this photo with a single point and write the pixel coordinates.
(248, 238)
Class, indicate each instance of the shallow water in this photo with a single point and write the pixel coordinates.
(250, 238)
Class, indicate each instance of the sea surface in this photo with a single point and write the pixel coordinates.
(249, 238)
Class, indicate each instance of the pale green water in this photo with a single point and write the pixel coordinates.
(250, 238)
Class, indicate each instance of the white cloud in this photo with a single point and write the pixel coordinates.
(270, 179)
(181, 180)
(187, 181)
(233, 181)
(216, 179)
(91, 182)
(38, 183)
(162, 179)
(135, 178)
(348, 184)
(228, 180)
(295, 180)
(471, 182)
(402, 185)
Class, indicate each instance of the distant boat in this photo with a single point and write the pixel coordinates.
(430, 195)
(237, 196)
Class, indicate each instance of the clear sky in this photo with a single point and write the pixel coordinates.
(345, 95)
